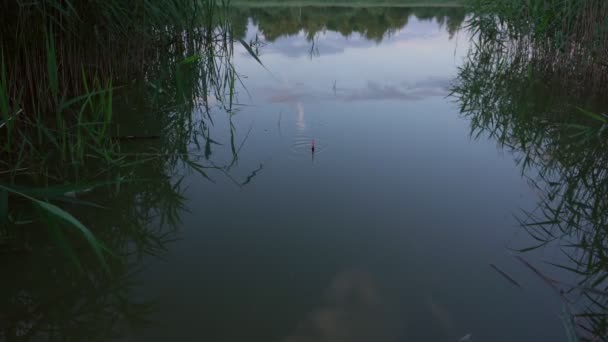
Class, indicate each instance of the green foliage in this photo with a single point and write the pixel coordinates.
(567, 38)
(102, 105)
(65, 67)
(559, 138)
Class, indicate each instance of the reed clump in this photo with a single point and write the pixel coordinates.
(64, 63)
(567, 39)
(533, 81)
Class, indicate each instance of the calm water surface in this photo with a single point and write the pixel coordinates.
(385, 233)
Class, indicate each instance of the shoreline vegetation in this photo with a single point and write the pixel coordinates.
(566, 40)
(534, 82)
(66, 70)
(80, 206)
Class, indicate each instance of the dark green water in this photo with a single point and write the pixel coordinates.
(386, 232)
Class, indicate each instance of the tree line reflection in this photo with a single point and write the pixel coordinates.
(373, 23)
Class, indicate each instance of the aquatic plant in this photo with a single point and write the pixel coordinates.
(559, 140)
(81, 179)
(65, 69)
(566, 39)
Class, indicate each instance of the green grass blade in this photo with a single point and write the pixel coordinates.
(63, 244)
(55, 211)
(52, 71)
(84, 231)
(592, 115)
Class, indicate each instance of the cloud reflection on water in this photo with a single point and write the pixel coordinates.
(354, 311)
(372, 90)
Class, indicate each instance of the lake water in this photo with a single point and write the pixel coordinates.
(385, 232)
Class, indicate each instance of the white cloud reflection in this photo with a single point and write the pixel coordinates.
(354, 311)
(371, 90)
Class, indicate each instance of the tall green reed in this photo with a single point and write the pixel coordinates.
(73, 184)
(566, 39)
(65, 65)
(559, 139)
